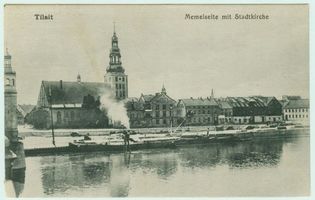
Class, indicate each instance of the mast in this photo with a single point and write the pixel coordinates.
(51, 118)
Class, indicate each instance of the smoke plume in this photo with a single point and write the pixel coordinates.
(116, 110)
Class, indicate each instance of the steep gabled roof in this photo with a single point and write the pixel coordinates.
(147, 97)
(63, 92)
(162, 97)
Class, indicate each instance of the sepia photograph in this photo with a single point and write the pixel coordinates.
(156, 100)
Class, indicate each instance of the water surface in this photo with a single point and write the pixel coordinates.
(257, 168)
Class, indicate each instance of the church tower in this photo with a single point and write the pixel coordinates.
(10, 94)
(115, 74)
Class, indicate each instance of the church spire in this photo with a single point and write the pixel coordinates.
(115, 56)
(212, 93)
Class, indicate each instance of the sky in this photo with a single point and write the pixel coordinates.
(159, 46)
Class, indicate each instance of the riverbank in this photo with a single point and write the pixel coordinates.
(174, 141)
(26, 131)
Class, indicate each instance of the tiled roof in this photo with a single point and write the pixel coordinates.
(248, 101)
(199, 102)
(147, 97)
(264, 99)
(225, 105)
(161, 97)
(73, 92)
(301, 103)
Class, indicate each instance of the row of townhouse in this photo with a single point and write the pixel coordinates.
(160, 110)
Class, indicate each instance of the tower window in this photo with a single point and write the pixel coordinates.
(7, 81)
(13, 82)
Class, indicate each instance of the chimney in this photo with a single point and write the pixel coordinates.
(60, 84)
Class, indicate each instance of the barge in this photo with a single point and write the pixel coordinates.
(168, 141)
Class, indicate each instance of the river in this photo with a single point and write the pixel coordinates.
(278, 167)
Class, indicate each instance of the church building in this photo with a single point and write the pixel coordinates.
(76, 104)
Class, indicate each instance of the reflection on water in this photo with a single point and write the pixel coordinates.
(205, 170)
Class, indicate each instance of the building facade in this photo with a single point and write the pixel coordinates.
(152, 110)
(200, 111)
(254, 109)
(297, 111)
(115, 74)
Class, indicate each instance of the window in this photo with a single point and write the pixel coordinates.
(164, 113)
(157, 107)
(245, 120)
(157, 114)
(164, 106)
(13, 82)
(164, 121)
(123, 78)
(7, 81)
(58, 117)
(157, 121)
(72, 115)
